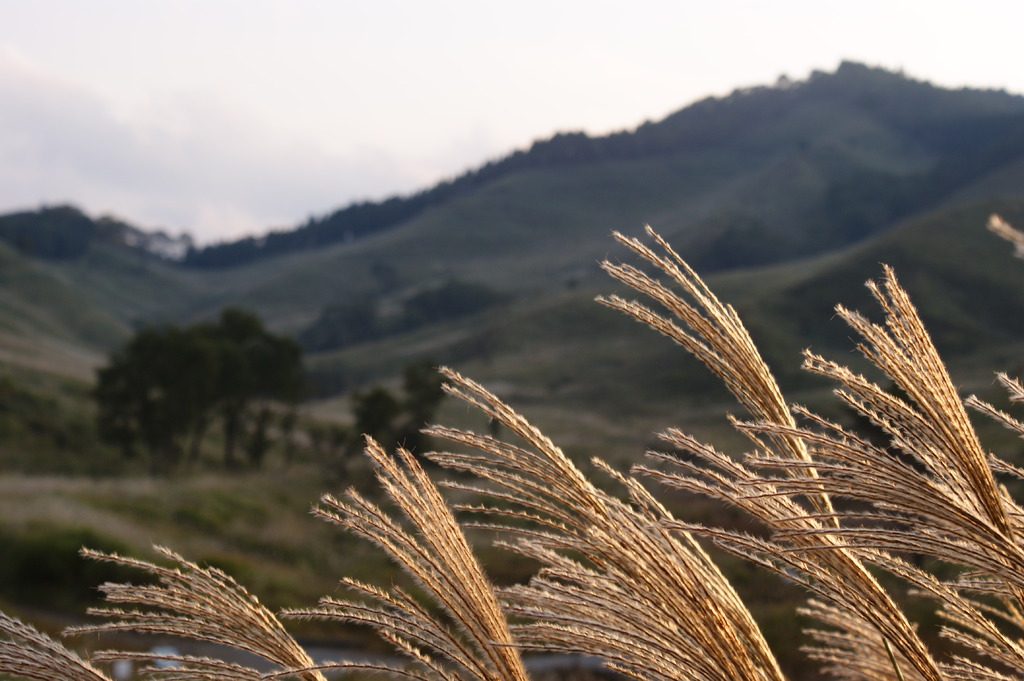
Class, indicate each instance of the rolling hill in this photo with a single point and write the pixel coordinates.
(788, 196)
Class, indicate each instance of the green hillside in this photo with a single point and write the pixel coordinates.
(858, 125)
(788, 196)
(38, 305)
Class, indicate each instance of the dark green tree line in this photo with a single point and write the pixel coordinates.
(397, 420)
(162, 392)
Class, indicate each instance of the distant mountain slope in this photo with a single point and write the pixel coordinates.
(789, 195)
(563, 349)
(66, 233)
(47, 323)
(860, 147)
(970, 290)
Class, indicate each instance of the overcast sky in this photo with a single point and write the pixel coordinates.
(225, 118)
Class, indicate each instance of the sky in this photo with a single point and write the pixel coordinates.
(225, 118)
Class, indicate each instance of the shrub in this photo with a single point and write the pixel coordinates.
(624, 580)
(41, 564)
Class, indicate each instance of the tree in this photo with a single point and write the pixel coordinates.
(451, 300)
(423, 390)
(423, 394)
(167, 385)
(156, 393)
(375, 411)
(342, 325)
(398, 420)
(256, 367)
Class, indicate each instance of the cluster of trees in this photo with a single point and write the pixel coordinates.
(66, 233)
(343, 324)
(163, 391)
(392, 419)
(57, 233)
(359, 321)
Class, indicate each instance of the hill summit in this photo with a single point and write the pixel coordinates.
(782, 190)
(883, 146)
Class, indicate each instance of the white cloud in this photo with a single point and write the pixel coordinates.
(196, 168)
(227, 116)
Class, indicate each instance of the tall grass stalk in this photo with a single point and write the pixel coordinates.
(620, 577)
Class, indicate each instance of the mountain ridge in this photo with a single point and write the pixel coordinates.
(699, 126)
(832, 162)
(985, 125)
